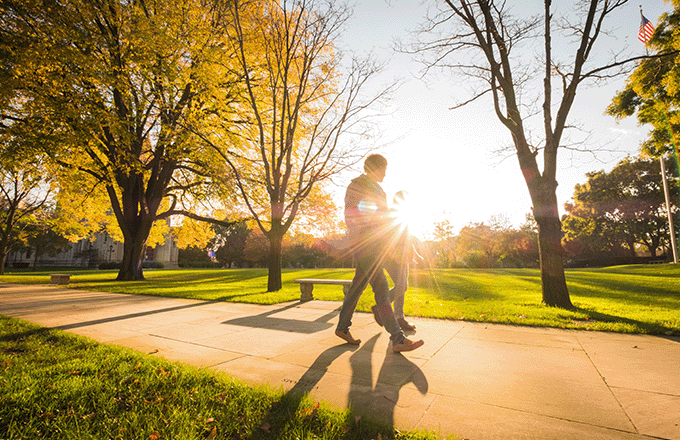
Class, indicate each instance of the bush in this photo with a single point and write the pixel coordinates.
(109, 265)
(20, 265)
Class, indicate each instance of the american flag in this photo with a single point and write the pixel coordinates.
(646, 30)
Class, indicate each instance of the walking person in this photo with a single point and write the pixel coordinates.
(368, 225)
(401, 256)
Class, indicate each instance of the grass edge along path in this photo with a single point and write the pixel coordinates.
(626, 299)
(56, 385)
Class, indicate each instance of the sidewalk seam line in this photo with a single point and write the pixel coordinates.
(609, 388)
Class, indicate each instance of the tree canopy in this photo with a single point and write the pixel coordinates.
(652, 92)
(301, 109)
(616, 212)
(111, 84)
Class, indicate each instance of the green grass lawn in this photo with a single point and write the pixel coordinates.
(630, 299)
(56, 385)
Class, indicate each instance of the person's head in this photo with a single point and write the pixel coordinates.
(400, 197)
(375, 167)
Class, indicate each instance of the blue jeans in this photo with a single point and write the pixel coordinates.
(398, 271)
(369, 270)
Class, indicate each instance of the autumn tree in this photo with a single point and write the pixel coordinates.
(303, 109)
(496, 244)
(481, 40)
(111, 84)
(479, 244)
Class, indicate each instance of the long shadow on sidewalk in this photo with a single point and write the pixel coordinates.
(265, 320)
(378, 403)
(128, 316)
(277, 420)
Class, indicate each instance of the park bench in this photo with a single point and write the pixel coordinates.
(307, 285)
(60, 278)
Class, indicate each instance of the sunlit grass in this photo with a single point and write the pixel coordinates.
(56, 385)
(639, 298)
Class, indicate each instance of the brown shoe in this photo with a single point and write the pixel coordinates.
(407, 345)
(376, 315)
(347, 337)
(405, 325)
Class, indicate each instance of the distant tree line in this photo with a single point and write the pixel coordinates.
(238, 246)
(484, 245)
(616, 217)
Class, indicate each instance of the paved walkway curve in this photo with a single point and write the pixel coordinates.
(478, 381)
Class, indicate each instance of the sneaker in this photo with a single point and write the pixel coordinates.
(376, 315)
(405, 325)
(347, 337)
(407, 345)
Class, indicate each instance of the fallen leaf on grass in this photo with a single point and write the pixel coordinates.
(213, 434)
(265, 427)
(309, 413)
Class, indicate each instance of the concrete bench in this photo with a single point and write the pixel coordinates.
(307, 285)
(60, 278)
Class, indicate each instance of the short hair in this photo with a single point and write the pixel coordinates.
(374, 162)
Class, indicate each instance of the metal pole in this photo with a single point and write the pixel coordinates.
(671, 227)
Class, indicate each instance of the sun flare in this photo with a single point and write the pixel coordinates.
(405, 212)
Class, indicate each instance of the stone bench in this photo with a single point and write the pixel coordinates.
(307, 285)
(60, 278)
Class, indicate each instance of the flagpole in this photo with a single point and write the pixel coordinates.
(671, 226)
(666, 191)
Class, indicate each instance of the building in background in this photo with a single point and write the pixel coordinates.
(93, 253)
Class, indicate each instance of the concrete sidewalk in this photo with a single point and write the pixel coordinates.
(478, 381)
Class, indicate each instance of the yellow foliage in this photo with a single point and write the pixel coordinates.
(192, 233)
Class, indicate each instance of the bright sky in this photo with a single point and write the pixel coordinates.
(447, 159)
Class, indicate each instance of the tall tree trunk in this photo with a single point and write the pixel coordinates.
(553, 281)
(131, 266)
(134, 245)
(274, 264)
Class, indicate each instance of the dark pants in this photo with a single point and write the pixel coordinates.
(369, 270)
(398, 270)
